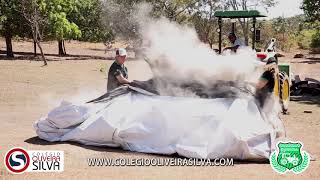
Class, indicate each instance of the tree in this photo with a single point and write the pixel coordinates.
(247, 5)
(175, 9)
(31, 12)
(312, 9)
(88, 15)
(59, 27)
(11, 22)
(121, 18)
(204, 21)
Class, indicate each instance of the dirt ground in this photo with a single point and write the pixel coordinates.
(28, 91)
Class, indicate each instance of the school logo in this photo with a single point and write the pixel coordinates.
(18, 160)
(289, 158)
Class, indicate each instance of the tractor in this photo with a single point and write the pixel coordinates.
(282, 70)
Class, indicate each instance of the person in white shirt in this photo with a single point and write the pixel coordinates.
(236, 43)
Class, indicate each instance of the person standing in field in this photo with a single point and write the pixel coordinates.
(118, 73)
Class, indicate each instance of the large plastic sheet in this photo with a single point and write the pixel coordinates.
(191, 127)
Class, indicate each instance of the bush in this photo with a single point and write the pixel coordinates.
(305, 38)
(315, 41)
(96, 35)
(289, 43)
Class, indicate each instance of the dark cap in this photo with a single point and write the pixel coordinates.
(232, 34)
(271, 60)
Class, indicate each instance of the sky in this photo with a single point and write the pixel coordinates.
(286, 8)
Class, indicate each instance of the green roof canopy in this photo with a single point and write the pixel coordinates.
(238, 14)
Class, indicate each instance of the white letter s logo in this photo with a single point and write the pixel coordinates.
(18, 160)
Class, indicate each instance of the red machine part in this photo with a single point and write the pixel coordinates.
(261, 56)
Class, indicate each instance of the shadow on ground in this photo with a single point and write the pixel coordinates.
(51, 57)
(310, 100)
(37, 141)
(310, 60)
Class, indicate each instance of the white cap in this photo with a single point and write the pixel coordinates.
(121, 52)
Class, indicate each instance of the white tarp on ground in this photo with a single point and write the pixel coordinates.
(191, 127)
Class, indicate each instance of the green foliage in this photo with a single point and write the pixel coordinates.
(291, 32)
(97, 35)
(88, 15)
(59, 27)
(11, 20)
(75, 19)
(72, 19)
(101, 21)
(304, 39)
(315, 42)
(312, 9)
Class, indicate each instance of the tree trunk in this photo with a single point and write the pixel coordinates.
(8, 37)
(42, 54)
(35, 48)
(64, 47)
(62, 50)
(35, 34)
(211, 44)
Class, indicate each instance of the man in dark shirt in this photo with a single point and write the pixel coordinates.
(118, 73)
(266, 83)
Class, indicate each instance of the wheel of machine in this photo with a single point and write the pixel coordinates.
(284, 94)
(276, 85)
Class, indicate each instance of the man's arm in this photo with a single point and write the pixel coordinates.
(264, 79)
(122, 79)
(261, 83)
(234, 48)
(237, 43)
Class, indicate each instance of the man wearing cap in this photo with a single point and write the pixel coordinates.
(236, 43)
(118, 73)
(266, 82)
